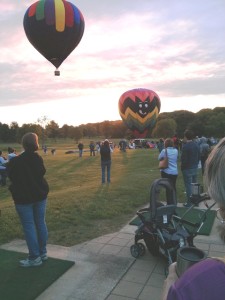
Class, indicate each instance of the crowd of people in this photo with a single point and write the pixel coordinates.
(193, 151)
(3, 163)
(29, 189)
(205, 279)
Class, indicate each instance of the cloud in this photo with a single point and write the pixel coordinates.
(176, 49)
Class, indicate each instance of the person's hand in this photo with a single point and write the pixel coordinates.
(171, 278)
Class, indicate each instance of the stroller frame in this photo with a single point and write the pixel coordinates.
(161, 229)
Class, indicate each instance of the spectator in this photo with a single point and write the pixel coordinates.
(92, 148)
(29, 191)
(204, 152)
(205, 279)
(131, 144)
(3, 173)
(123, 145)
(81, 148)
(11, 153)
(105, 152)
(160, 145)
(190, 157)
(97, 148)
(176, 141)
(45, 149)
(172, 153)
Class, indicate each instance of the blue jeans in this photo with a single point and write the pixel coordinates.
(189, 176)
(80, 152)
(32, 217)
(106, 165)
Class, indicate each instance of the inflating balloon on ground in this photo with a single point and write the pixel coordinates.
(139, 109)
(54, 28)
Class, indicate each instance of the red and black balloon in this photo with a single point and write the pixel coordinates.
(54, 28)
(139, 109)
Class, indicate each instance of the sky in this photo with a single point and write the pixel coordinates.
(175, 48)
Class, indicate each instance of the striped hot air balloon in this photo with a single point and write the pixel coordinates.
(54, 28)
(139, 109)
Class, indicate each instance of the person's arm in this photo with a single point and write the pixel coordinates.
(161, 154)
(171, 278)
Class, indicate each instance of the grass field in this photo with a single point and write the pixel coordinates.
(79, 206)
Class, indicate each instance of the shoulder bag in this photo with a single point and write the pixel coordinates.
(164, 163)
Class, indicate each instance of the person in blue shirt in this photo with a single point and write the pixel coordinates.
(190, 157)
(172, 153)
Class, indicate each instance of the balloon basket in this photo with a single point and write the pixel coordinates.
(57, 73)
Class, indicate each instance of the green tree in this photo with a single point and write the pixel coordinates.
(216, 125)
(107, 129)
(77, 133)
(165, 128)
(4, 132)
(52, 130)
(25, 128)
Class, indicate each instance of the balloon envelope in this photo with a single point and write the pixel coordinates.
(139, 109)
(54, 28)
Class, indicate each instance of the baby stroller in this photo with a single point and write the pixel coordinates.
(161, 229)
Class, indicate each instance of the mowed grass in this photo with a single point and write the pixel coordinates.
(80, 208)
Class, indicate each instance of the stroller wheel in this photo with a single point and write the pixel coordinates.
(141, 249)
(135, 251)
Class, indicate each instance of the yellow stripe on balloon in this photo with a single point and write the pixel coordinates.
(136, 116)
(59, 15)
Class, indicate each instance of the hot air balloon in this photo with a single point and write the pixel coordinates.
(54, 28)
(139, 109)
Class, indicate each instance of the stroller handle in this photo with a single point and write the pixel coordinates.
(196, 225)
(186, 222)
(140, 213)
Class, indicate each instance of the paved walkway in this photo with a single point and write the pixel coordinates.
(105, 270)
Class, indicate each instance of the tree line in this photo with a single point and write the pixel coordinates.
(206, 122)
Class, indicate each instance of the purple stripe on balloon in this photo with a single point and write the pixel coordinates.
(50, 12)
(76, 15)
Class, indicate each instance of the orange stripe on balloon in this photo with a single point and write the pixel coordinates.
(59, 15)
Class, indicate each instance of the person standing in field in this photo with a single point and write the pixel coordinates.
(29, 191)
(204, 152)
(11, 153)
(190, 157)
(172, 153)
(160, 145)
(105, 152)
(81, 148)
(92, 148)
(3, 174)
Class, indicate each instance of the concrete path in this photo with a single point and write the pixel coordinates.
(105, 270)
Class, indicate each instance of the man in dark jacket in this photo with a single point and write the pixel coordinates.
(190, 157)
(105, 152)
(29, 191)
(81, 148)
